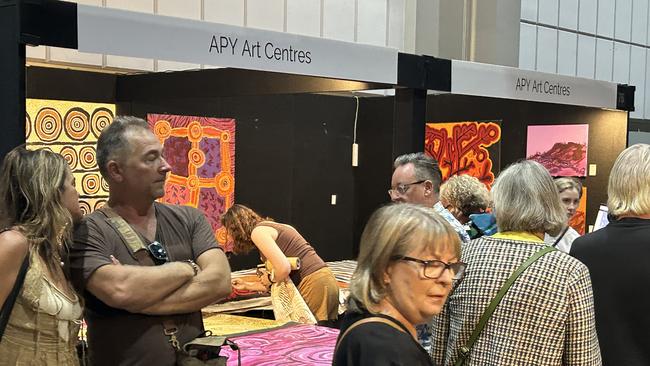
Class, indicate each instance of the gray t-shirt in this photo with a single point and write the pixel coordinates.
(115, 336)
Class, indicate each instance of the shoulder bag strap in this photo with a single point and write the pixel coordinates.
(130, 238)
(8, 306)
(557, 241)
(372, 319)
(136, 246)
(464, 351)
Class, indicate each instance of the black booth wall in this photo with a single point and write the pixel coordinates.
(607, 131)
(293, 153)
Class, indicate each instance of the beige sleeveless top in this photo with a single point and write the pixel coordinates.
(44, 323)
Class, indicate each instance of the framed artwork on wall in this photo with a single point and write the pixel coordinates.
(201, 152)
(562, 149)
(470, 147)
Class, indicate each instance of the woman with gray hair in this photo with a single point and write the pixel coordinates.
(616, 256)
(546, 317)
(407, 264)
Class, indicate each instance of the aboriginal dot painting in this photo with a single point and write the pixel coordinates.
(465, 148)
(201, 152)
(71, 129)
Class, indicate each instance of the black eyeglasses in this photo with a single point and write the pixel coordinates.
(158, 252)
(434, 268)
(403, 188)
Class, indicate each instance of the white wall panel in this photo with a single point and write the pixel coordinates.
(39, 52)
(621, 72)
(604, 59)
(527, 46)
(396, 23)
(548, 12)
(224, 11)
(339, 19)
(637, 78)
(303, 17)
(144, 6)
(586, 56)
(588, 15)
(546, 49)
(190, 9)
(569, 14)
(265, 14)
(647, 85)
(640, 21)
(623, 22)
(529, 10)
(567, 53)
(606, 9)
(371, 21)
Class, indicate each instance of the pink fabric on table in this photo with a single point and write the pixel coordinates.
(291, 345)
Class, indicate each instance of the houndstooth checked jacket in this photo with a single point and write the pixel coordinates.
(546, 318)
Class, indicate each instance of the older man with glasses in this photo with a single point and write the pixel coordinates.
(145, 268)
(416, 179)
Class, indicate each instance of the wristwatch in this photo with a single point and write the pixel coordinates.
(194, 266)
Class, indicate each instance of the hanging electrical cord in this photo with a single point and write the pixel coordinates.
(355, 146)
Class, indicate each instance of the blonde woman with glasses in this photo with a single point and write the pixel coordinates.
(408, 262)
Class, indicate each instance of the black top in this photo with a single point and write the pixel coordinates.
(377, 344)
(617, 257)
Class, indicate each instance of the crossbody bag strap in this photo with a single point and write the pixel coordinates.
(8, 306)
(557, 241)
(464, 351)
(137, 247)
(130, 238)
(372, 319)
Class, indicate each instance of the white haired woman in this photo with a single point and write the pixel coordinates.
(546, 317)
(407, 264)
(616, 256)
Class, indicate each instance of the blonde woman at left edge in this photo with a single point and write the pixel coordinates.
(38, 206)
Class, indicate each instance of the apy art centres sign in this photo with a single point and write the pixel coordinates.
(133, 34)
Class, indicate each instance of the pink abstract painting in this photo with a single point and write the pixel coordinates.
(289, 345)
(562, 149)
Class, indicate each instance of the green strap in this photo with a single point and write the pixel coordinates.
(464, 351)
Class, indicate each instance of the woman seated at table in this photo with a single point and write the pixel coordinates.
(408, 260)
(275, 242)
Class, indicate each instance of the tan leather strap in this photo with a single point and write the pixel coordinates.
(372, 319)
(130, 238)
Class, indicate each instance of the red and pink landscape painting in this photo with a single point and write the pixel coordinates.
(562, 149)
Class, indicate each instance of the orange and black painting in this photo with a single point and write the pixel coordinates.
(471, 147)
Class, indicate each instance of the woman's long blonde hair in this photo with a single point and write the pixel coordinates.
(31, 184)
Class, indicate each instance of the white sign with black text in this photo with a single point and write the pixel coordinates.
(478, 79)
(127, 33)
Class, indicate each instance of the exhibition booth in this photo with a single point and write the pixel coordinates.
(286, 128)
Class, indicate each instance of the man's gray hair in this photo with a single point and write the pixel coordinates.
(426, 167)
(112, 143)
(629, 189)
(526, 199)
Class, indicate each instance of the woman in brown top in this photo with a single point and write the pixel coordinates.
(276, 242)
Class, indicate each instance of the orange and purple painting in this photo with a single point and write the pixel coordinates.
(465, 148)
(561, 149)
(201, 152)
